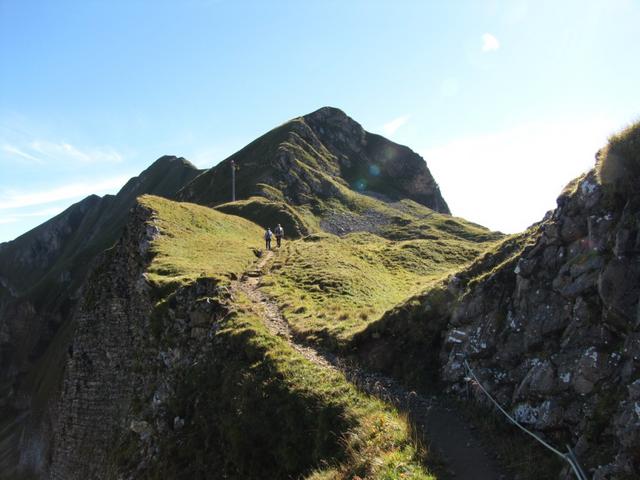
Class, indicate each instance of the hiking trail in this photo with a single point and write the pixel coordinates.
(447, 433)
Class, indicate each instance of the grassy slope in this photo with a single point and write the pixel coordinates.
(268, 213)
(331, 288)
(198, 242)
(276, 414)
(334, 287)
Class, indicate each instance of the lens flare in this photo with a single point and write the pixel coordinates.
(374, 170)
(361, 185)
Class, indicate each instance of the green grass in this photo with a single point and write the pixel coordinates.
(330, 288)
(373, 438)
(197, 241)
(268, 214)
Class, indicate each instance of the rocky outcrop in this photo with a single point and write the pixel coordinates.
(370, 162)
(555, 331)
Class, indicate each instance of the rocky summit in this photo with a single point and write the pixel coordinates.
(151, 335)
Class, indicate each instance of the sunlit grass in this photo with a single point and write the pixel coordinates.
(197, 241)
(331, 288)
(376, 442)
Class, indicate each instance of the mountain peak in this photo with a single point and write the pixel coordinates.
(170, 160)
(316, 157)
(326, 113)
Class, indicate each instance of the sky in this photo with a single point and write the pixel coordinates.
(507, 101)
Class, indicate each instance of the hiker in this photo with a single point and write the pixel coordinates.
(267, 238)
(279, 231)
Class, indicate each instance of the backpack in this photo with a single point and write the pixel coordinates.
(267, 235)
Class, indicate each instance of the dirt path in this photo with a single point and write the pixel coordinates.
(464, 456)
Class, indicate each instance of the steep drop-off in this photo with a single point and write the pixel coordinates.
(42, 273)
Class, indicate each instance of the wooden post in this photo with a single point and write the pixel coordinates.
(233, 181)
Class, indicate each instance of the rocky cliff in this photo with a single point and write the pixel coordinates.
(99, 379)
(549, 321)
(42, 274)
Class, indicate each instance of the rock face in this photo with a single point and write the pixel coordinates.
(555, 331)
(99, 374)
(549, 321)
(41, 277)
(317, 156)
(125, 362)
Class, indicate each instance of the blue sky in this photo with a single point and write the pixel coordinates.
(506, 100)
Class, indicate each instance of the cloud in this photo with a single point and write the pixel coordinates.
(489, 43)
(15, 200)
(15, 151)
(45, 213)
(41, 152)
(508, 179)
(391, 127)
(64, 150)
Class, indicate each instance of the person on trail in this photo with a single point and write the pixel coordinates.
(267, 238)
(279, 231)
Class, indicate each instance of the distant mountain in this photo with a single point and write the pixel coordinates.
(315, 157)
(57, 250)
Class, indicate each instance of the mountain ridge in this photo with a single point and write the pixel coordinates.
(313, 156)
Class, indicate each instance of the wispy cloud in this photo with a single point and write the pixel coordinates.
(391, 127)
(44, 213)
(16, 152)
(41, 152)
(16, 199)
(64, 150)
(489, 43)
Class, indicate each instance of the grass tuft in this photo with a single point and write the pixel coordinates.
(618, 165)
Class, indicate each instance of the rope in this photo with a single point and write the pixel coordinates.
(569, 457)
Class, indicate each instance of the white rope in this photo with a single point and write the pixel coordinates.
(568, 457)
